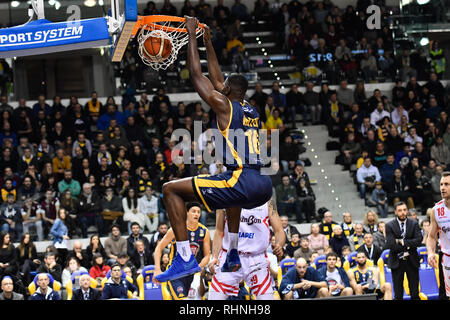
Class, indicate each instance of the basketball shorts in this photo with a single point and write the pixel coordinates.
(254, 271)
(245, 188)
(446, 269)
(179, 288)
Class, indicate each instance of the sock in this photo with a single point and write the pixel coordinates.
(234, 239)
(184, 249)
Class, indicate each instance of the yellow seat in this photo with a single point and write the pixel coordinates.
(75, 276)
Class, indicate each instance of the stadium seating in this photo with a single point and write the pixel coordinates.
(319, 261)
(75, 276)
(428, 277)
(55, 285)
(386, 274)
(148, 290)
(285, 265)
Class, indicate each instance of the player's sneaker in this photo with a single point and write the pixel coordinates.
(232, 262)
(179, 268)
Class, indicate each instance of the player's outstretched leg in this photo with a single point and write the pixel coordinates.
(176, 193)
(232, 262)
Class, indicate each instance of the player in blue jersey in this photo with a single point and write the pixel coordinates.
(242, 185)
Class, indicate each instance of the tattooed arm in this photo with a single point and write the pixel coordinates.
(275, 222)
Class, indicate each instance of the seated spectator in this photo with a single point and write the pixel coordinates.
(89, 210)
(345, 253)
(327, 225)
(421, 191)
(85, 292)
(111, 202)
(387, 170)
(8, 290)
(51, 266)
(367, 175)
(336, 277)
(372, 251)
(378, 114)
(370, 222)
(348, 227)
(134, 236)
(8, 259)
(412, 138)
(72, 265)
(350, 151)
(440, 152)
(148, 204)
(69, 183)
(334, 115)
(303, 282)
(312, 102)
(289, 229)
(61, 163)
(379, 197)
(95, 246)
(287, 201)
(11, 218)
(116, 287)
(379, 237)
(435, 182)
(365, 279)
(124, 260)
(317, 240)
(80, 254)
(293, 245)
(44, 292)
(357, 239)
(27, 258)
(115, 244)
(98, 270)
(27, 189)
(304, 251)
(338, 241)
(162, 230)
(141, 256)
(72, 219)
(399, 190)
(307, 199)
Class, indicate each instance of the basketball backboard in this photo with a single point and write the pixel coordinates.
(41, 36)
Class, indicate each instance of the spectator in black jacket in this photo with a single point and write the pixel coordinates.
(80, 254)
(141, 256)
(89, 210)
(327, 225)
(334, 116)
(294, 103)
(307, 199)
(338, 241)
(44, 292)
(134, 237)
(372, 251)
(51, 266)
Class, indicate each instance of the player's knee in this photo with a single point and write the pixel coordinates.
(347, 292)
(386, 287)
(167, 189)
(323, 292)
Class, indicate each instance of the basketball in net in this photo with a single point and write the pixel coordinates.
(158, 47)
(160, 38)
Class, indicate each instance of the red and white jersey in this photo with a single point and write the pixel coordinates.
(254, 232)
(442, 216)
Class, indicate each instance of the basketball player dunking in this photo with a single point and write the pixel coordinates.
(254, 238)
(440, 222)
(242, 185)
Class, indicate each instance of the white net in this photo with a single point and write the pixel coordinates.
(174, 32)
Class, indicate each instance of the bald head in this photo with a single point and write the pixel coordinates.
(301, 266)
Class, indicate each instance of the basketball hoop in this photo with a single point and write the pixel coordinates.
(170, 28)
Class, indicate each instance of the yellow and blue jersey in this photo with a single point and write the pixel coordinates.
(240, 140)
(179, 288)
(242, 185)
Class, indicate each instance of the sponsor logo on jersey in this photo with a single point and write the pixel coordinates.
(249, 235)
(445, 229)
(194, 248)
(250, 220)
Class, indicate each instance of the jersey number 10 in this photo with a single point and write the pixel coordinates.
(253, 141)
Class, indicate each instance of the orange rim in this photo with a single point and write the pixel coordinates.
(151, 23)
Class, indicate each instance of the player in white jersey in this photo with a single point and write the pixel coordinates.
(440, 222)
(254, 238)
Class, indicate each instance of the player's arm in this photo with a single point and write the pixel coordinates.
(206, 250)
(217, 101)
(351, 279)
(275, 222)
(431, 241)
(376, 275)
(217, 240)
(168, 237)
(215, 74)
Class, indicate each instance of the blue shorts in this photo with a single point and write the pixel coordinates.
(245, 188)
(179, 288)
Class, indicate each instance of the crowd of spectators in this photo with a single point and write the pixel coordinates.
(324, 41)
